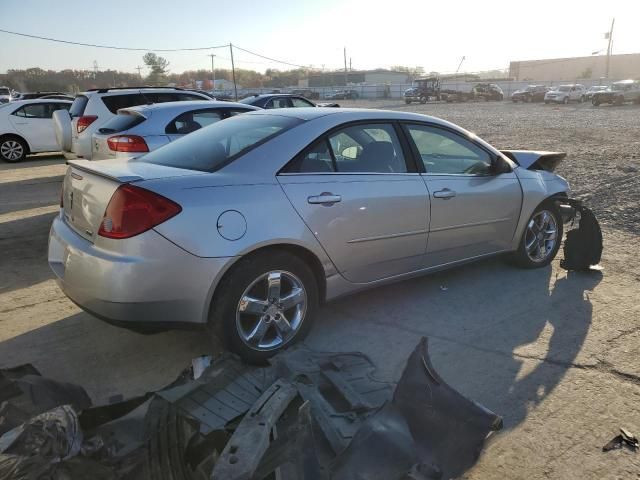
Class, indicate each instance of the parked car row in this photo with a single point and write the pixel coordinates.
(616, 93)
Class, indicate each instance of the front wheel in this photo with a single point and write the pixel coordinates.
(595, 101)
(265, 304)
(541, 238)
(566, 100)
(423, 100)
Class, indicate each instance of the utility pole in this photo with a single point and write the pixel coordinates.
(233, 72)
(346, 75)
(609, 36)
(213, 71)
(350, 69)
(95, 69)
(460, 64)
(139, 68)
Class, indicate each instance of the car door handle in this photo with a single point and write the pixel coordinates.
(445, 194)
(324, 198)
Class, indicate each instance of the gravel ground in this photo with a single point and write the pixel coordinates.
(556, 354)
(602, 145)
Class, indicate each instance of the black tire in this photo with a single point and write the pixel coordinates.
(565, 100)
(521, 257)
(514, 100)
(423, 100)
(546, 102)
(222, 318)
(619, 100)
(13, 149)
(595, 101)
(408, 102)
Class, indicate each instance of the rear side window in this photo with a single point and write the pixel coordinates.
(78, 106)
(116, 102)
(210, 149)
(188, 122)
(122, 122)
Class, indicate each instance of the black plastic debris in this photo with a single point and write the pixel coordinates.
(624, 439)
(583, 245)
(309, 415)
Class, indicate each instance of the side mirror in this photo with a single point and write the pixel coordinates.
(500, 165)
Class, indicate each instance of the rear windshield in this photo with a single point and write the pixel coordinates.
(215, 146)
(78, 106)
(116, 102)
(121, 122)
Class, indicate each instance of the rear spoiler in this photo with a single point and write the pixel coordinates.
(536, 160)
(103, 171)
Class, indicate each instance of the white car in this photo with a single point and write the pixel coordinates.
(93, 108)
(5, 95)
(135, 131)
(565, 94)
(26, 127)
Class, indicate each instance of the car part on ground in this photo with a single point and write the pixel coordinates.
(624, 439)
(91, 109)
(309, 415)
(583, 245)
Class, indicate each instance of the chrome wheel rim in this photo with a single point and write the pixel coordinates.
(271, 310)
(541, 236)
(11, 150)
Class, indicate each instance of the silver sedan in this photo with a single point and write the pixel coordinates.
(248, 225)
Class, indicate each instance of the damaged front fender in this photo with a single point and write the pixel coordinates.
(536, 160)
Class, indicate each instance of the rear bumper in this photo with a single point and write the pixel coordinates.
(142, 280)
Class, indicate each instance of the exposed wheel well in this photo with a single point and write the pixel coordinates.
(13, 135)
(304, 254)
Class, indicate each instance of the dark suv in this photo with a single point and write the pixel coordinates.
(531, 93)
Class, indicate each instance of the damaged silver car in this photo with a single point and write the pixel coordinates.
(248, 225)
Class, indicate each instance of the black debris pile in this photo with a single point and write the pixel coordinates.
(308, 415)
(583, 245)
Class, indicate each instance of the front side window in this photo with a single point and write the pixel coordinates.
(40, 110)
(188, 122)
(363, 148)
(212, 148)
(279, 103)
(446, 152)
(299, 102)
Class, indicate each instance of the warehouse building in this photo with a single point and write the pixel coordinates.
(577, 68)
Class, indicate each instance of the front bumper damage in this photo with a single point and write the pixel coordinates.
(308, 415)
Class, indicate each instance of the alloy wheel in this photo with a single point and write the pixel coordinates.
(11, 150)
(271, 310)
(541, 236)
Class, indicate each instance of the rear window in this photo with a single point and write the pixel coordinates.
(122, 122)
(215, 146)
(116, 102)
(78, 106)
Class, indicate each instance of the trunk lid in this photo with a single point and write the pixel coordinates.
(88, 187)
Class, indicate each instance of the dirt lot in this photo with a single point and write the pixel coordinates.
(557, 355)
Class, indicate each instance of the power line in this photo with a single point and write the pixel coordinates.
(112, 47)
(272, 59)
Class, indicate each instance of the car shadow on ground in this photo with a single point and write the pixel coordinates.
(23, 243)
(502, 336)
(26, 194)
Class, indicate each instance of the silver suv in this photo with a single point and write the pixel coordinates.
(92, 109)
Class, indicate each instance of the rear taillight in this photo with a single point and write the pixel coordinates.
(127, 143)
(133, 210)
(84, 122)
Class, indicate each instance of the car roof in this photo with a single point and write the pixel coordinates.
(133, 90)
(38, 100)
(182, 105)
(349, 114)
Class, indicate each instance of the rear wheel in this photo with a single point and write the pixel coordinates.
(408, 102)
(265, 304)
(565, 100)
(595, 101)
(541, 238)
(12, 149)
(423, 100)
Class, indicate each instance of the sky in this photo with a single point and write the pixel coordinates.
(376, 33)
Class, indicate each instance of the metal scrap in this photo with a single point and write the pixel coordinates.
(309, 415)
